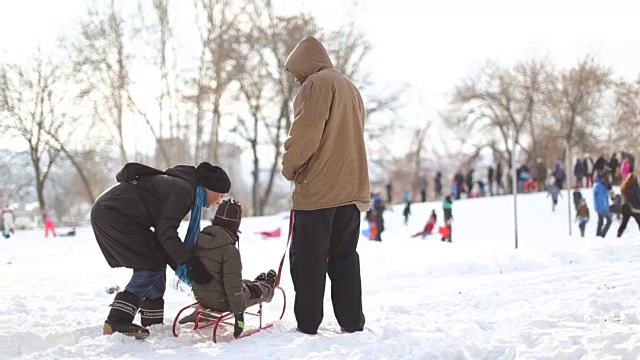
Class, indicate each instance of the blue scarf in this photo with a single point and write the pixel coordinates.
(193, 230)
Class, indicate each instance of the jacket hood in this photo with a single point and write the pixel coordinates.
(184, 172)
(307, 58)
(213, 236)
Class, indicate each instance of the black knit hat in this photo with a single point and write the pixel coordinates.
(213, 178)
(229, 215)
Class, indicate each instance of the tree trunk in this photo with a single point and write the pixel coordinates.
(256, 179)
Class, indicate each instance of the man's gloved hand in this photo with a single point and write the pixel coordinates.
(197, 272)
(239, 325)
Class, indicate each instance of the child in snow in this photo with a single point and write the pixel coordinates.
(445, 231)
(553, 191)
(428, 228)
(577, 197)
(407, 211)
(216, 249)
(582, 216)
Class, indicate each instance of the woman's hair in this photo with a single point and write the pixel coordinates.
(628, 185)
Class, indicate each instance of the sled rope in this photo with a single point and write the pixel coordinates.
(285, 249)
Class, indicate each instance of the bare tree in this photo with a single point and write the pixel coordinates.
(418, 148)
(624, 127)
(500, 103)
(101, 63)
(575, 100)
(219, 30)
(32, 106)
(253, 86)
(267, 43)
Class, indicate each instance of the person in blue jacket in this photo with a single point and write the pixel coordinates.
(601, 204)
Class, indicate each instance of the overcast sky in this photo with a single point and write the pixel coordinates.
(428, 45)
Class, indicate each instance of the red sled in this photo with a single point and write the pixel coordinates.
(270, 234)
(206, 318)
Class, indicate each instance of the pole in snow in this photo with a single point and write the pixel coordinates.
(514, 188)
(568, 172)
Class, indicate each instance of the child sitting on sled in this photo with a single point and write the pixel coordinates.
(216, 249)
(428, 228)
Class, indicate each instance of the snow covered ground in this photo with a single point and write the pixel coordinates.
(556, 297)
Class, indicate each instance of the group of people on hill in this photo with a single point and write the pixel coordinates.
(136, 221)
(444, 230)
(375, 218)
(536, 177)
(601, 174)
(606, 203)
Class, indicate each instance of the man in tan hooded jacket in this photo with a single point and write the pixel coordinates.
(325, 157)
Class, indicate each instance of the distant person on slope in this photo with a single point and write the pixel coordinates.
(49, 224)
(428, 228)
(325, 157)
(630, 191)
(447, 208)
(406, 211)
(601, 203)
(136, 225)
(554, 191)
(8, 219)
(582, 216)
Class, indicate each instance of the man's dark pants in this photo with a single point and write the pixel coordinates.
(324, 241)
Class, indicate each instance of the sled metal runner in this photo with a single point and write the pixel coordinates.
(226, 318)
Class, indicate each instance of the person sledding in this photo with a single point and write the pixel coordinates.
(428, 228)
(216, 249)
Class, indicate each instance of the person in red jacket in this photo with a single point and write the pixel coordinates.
(428, 228)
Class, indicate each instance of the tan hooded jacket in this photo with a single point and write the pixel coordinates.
(325, 154)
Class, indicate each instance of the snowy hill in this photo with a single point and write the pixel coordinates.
(556, 297)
